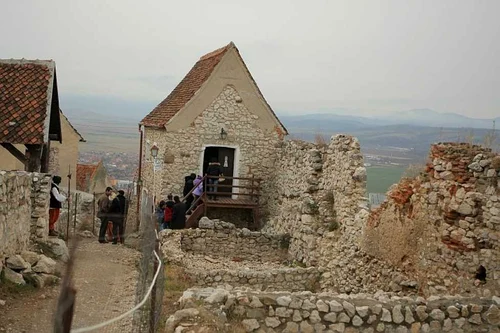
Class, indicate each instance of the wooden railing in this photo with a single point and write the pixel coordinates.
(250, 186)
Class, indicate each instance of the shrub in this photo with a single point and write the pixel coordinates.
(334, 225)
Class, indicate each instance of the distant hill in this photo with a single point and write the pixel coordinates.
(416, 117)
(111, 124)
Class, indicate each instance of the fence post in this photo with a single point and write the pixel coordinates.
(93, 214)
(74, 216)
(152, 313)
(69, 203)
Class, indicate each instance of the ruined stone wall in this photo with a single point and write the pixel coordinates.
(15, 211)
(445, 223)
(320, 201)
(181, 151)
(236, 244)
(219, 254)
(309, 312)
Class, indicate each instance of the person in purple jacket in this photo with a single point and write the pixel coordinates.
(198, 191)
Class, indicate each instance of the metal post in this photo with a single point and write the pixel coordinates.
(74, 216)
(69, 202)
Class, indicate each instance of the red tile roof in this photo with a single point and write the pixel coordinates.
(186, 89)
(85, 173)
(25, 91)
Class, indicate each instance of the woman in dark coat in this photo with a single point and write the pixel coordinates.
(179, 215)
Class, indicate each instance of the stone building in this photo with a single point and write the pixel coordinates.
(216, 112)
(92, 178)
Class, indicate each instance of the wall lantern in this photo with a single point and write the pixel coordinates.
(154, 150)
(223, 134)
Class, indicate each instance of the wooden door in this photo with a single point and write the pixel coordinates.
(226, 160)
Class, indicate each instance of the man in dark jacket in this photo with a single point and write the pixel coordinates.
(179, 214)
(103, 205)
(188, 186)
(117, 216)
(213, 170)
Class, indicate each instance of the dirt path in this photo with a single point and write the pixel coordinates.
(105, 278)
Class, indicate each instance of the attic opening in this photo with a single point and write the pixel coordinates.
(228, 157)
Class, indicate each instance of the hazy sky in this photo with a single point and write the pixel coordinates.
(306, 56)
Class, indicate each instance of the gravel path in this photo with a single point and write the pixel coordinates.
(105, 279)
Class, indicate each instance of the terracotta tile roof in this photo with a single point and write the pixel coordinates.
(25, 89)
(84, 173)
(186, 89)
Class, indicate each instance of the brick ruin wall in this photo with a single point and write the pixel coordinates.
(443, 224)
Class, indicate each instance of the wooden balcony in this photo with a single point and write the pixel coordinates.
(233, 192)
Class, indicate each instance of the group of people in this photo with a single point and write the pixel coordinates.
(109, 210)
(112, 210)
(171, 213)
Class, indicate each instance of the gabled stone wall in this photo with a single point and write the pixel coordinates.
(444, 223)
(181, 151)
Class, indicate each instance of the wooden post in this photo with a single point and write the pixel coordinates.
(66, 302)
(69, 202)
(251, 191)
(205, 201)
(93, 214)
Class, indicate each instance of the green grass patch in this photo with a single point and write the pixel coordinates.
(379, 179)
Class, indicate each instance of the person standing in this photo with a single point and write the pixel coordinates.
(56, 200)
(160, 215)
(198, 191)
(188, 186)
(103, 205)
(179, 214)
(168, 212)
(117, 211)
(213, 170)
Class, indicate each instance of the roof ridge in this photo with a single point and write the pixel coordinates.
(217, 51)
(47, 62)
(82, 139)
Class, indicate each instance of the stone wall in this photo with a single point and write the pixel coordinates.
(15, 212)
(218, 254)
(320, 201)
(308, 312)
(318, 189)
(256, 149)
(40, 201)
(218, 240)
(24, 210)
(443, 224)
